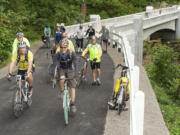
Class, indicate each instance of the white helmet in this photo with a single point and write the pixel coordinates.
(62, 24)
(90, 25)
(22, 44)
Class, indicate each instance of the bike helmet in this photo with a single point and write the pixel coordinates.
(22, 44)
(64, 42)
(58, 25)
(20, 34)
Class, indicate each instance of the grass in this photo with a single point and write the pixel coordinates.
(169, 107)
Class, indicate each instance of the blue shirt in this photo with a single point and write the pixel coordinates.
(58, 36)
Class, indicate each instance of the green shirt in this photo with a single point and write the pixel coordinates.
(47, 31)
(105, 34)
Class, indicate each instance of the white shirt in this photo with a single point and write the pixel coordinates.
(80, 33)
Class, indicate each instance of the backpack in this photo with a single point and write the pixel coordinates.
(26, 58)
(67, 62)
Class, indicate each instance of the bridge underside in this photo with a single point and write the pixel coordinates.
(165, 31)
(165, 34)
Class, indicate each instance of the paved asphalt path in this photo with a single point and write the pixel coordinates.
(45, 117)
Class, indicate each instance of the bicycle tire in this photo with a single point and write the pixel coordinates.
(119, 109)
(65, 109)
(17, 107)
(80, 78)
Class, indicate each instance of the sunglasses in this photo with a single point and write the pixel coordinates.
(63, 47)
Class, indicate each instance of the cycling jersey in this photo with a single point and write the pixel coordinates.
(47, 31)
(95, 51)
(15, 44)
(23, 63)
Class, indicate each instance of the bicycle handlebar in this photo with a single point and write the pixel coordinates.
(86, 59)
(123, 67)
(66, 79)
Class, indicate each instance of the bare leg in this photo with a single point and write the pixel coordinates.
(94, 74)
(30, 79)
(98, 73)
(73, 94)
(61, 85)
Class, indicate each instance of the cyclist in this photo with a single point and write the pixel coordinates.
(80, 36)
(90, 32)
(95, 53)
(70, 44)
(58, 35)
(19, 37)
(105, 36)
(67, 67)
(47, 32)
(24, 58)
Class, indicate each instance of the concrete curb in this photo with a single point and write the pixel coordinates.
(4, 70)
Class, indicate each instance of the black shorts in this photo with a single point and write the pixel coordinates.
(95, 65)
(22, 72)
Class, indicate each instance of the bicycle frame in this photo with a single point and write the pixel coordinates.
(22, 91)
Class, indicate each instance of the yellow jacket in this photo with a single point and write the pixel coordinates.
(95, 51)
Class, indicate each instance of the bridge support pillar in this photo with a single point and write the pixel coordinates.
(138, 28)
(96, 18)
(178, 26)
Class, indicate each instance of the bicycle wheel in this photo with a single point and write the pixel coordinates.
(65, 106)
(80, 78)
(119, 109)
(17, 104)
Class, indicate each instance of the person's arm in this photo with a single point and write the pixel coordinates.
(85, 51)
(14, 46)
(13, 60)
(11, 65)
(45, 31)
(87, 32)
(27, 42)
(30, 62)
(99, 52)
(49, 32)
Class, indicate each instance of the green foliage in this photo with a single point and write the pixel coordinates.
(164, 70)
(164, 73)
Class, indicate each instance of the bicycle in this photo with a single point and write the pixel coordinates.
(46, 41)
(21, 96)
(66, 99)
(83, 72)
(52, 69)
(120, 93)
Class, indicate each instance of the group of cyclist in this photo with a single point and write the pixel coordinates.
(65, 57)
